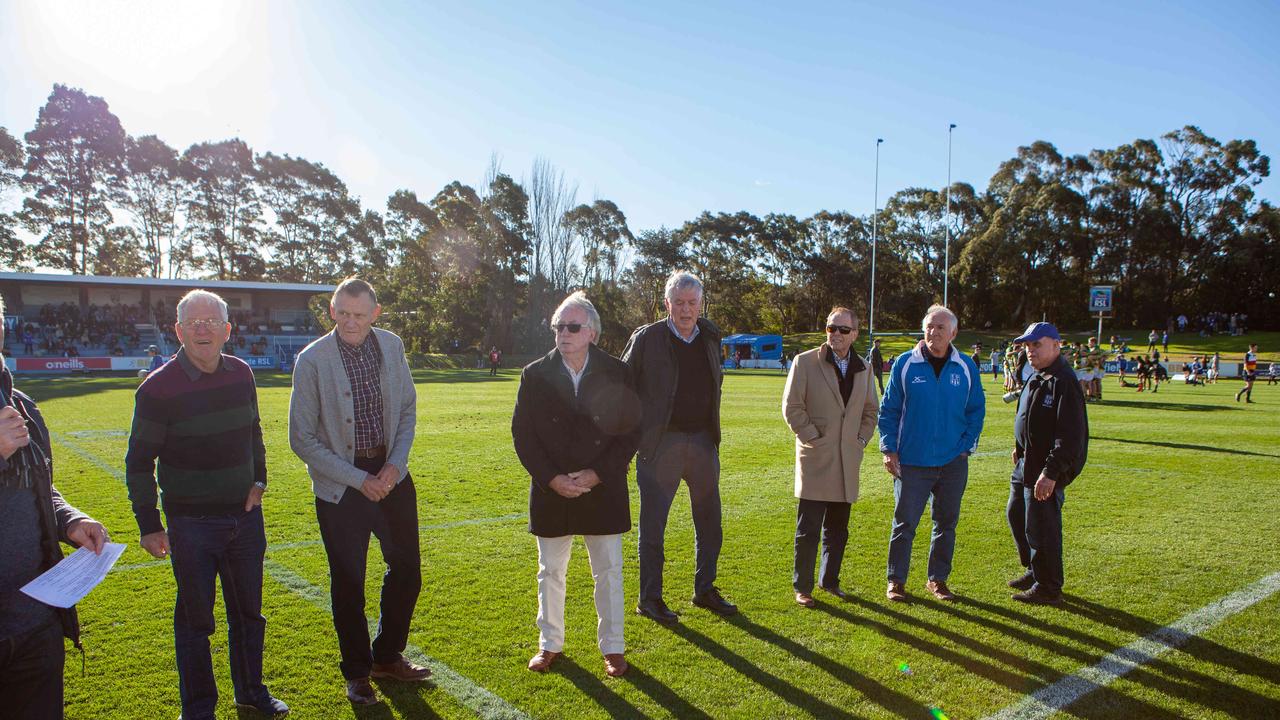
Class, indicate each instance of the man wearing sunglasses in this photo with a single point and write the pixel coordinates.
(830, 403)
(930, 420)
(676, 364)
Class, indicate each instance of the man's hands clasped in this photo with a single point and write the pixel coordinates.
(377, 487)
(575, 484)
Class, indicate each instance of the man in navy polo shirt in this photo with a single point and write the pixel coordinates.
(930, 420)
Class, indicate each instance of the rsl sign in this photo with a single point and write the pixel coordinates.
(1100, 298)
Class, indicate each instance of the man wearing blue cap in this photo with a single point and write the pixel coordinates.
(1051, 441)
(930, 420)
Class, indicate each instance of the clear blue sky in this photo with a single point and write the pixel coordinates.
(667, 108)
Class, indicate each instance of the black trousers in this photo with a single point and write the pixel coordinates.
(345, 528)
(832, 520)
(1037, 531)
(31, 674)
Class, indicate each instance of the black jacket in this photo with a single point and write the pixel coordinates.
(1051, 429)
(557, 433)
(56, 515)
(653, 364)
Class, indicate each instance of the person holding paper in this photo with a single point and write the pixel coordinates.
(197, 417)
(36, 518)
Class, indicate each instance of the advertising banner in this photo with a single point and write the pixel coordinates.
(61, 364)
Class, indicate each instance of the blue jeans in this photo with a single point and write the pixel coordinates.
(945, 484)
(692, 457)
(204, 549)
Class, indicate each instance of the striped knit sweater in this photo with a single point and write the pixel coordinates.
(204, 433)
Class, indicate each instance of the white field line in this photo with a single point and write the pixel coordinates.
(1053, 698)
(479, 700)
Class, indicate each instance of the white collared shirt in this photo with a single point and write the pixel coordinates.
(689, 339)
(576, 377)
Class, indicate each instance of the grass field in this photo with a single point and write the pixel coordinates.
(1176, 509)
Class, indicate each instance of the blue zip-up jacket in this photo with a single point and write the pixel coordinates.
(930, 420)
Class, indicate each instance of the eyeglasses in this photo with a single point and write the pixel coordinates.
(573, 328)
(203, 324)
(842, 329)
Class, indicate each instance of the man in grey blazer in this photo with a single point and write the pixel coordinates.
(352, 416)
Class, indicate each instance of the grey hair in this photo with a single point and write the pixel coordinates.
(578, 300)
(201, 295)
(936, 309)
(682, 280)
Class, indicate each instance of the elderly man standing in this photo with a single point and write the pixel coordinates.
(930, 421)
(830, 403)
(351, 419)
(576, 426)
(197, 433)
(36, 518)
(1051, 442)
(676, 365)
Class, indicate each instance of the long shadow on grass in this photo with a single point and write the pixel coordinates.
(406, 699)
(887, 698)
(1184, 446)
(593, 688)
(1155, 673)
(1178, 406)
(784, 690)
(1194, 645)
(663, 695)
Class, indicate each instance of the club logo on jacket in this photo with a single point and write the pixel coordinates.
(917, 380)
(955, 380)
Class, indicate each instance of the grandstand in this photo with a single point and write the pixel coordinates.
(72, 323)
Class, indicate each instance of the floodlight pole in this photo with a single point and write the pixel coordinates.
(875, 204)
(946, 262)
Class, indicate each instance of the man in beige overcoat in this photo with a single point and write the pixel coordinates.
(830, 402)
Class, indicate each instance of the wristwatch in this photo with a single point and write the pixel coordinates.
(260, 485)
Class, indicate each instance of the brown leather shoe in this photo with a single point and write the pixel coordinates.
(542, 661)
(360, 692)
(895, 592)
(836, 591)
(401, 670)
(804, 600)
(940, 590)
(615, 665)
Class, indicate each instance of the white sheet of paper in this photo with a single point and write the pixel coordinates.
(66, 583)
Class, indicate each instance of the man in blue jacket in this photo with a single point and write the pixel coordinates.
(930, 420)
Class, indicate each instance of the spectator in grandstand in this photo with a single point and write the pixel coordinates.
(197, 434)
(876, 361)
(352, 417)
(1249, 371)
(676, 365)
(930, 421)
(36, 519)
(830, 404)
(1051, 441)
(575, 427)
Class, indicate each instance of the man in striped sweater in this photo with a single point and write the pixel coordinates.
(196, 431)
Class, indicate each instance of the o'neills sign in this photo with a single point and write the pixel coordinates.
(61, 364)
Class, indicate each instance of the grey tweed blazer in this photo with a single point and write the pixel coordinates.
(322, 427)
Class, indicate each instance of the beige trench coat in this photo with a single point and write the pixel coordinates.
(830, 435)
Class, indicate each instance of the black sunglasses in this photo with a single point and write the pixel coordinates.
(571, 327)
(843, 329)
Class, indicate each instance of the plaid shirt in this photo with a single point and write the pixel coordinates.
(363, 363)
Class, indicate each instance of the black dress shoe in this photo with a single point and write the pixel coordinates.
(715, 602)
(657, 611)
(269, 706)
(1023, 583)
(1038, 596)
(835, 590)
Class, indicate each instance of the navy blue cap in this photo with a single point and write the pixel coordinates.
(1036, 331)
